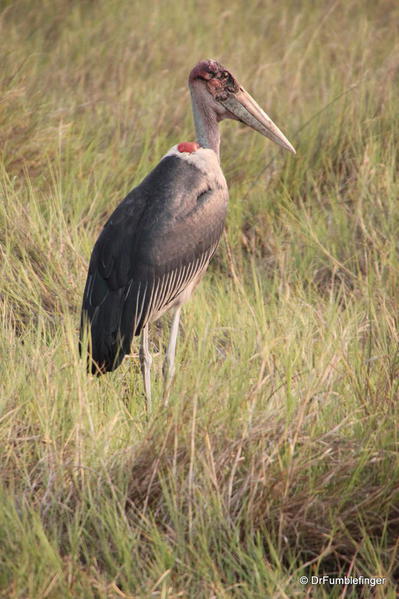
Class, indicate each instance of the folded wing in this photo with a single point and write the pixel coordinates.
(153, 246)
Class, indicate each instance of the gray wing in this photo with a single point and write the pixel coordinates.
(154, 244)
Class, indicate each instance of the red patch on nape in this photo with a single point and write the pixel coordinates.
(188, 146)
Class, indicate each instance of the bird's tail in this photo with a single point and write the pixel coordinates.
(102, 338)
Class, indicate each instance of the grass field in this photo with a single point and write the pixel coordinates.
(278, 455)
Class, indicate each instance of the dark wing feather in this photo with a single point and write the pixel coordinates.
(152, 246)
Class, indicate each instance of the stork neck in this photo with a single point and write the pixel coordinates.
(206, 126)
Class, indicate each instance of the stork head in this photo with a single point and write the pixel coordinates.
(219, 92)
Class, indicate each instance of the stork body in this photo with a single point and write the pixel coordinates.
(158, 242)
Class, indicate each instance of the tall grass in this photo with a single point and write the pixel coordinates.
(278, 454)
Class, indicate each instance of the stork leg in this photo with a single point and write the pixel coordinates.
(168, 368)
(145, 362)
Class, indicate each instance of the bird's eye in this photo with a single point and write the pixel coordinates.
(222, 75)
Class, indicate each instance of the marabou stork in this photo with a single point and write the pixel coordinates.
(157, 244)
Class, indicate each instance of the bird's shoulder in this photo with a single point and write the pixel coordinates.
(203, 160)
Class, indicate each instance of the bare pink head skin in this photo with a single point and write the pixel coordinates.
(217, 95)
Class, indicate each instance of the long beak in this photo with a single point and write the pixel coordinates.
(245, 109)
